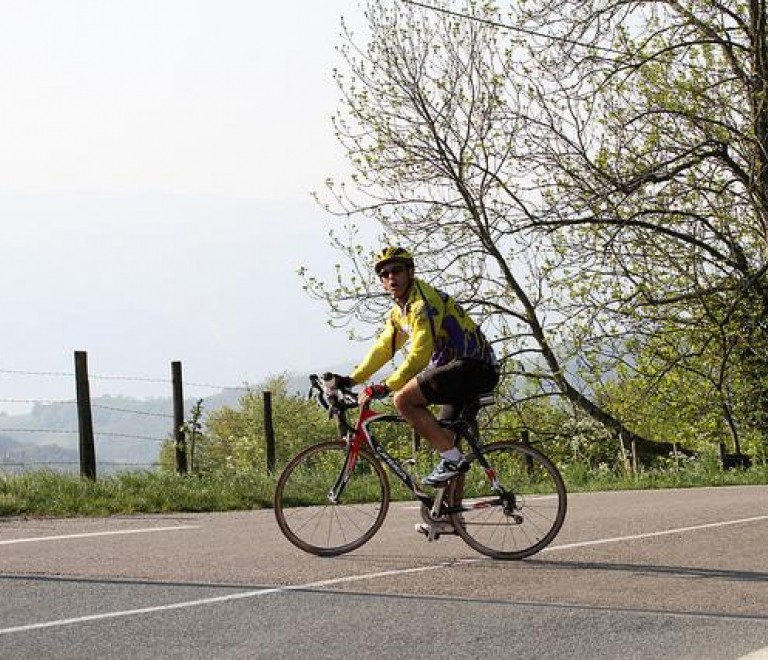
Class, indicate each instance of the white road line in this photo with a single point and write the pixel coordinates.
(220, 599)
(648, 535)
(89, 534)
(349, 578)
(760, 654)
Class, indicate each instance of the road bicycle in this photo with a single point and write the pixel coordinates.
(332, 497)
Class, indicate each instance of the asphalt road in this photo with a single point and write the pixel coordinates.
(663, 574)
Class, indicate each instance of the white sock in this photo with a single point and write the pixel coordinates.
(453, 454)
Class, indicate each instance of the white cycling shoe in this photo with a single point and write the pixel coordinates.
(445, 471)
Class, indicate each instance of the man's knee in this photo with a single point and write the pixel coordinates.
(409, 397)
(401, 401)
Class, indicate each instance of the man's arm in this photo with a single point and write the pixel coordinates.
(420, 352)
(381, 352)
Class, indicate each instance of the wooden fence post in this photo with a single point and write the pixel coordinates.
(624, 457)
(178, 419)
(633, 445)
(269, 431)
(84, 418)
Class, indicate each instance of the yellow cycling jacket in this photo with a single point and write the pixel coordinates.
(439, 330)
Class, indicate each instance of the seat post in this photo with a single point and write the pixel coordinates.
(471, 411)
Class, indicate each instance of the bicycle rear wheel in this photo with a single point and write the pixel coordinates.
(306, 512)
(521, 520)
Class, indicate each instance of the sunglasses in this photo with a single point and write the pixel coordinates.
(384, 273)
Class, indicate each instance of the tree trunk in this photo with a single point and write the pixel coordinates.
(645, 447)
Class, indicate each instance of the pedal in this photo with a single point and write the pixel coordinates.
(433, 531)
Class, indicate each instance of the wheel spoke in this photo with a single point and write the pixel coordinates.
(539, 503)
(304, 513)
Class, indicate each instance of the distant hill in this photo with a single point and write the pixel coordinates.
(127, 430)
(17, 457)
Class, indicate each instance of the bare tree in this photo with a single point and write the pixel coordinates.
(652, 124)
(450, 139)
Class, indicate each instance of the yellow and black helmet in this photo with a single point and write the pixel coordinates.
(390, 255)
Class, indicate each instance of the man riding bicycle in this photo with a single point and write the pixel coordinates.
(449, 362)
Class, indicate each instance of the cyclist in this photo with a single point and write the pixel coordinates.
(449, 361)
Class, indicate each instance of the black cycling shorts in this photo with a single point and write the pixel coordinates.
(456, 383)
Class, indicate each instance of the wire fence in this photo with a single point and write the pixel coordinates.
(137, 379)
(77, 463)
(18, 455)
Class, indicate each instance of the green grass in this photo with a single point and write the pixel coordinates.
(53, 494)
(695, 474)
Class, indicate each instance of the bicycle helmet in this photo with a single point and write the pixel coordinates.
(391, 255)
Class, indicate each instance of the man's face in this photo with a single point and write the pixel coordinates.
(396, 279)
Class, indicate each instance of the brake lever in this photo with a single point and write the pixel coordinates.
(319, 391)
(333, 399)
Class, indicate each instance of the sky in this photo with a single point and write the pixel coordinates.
(156, 164)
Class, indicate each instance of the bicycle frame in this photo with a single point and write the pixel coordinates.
(360, 435)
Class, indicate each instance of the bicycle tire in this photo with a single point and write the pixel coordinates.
(526, 519)
(310, 520)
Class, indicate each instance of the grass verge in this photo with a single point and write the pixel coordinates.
(52, 494)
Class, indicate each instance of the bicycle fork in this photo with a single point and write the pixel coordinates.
(334, 494)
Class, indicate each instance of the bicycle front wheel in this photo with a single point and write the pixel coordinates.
(521, 519)
(313, 518)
